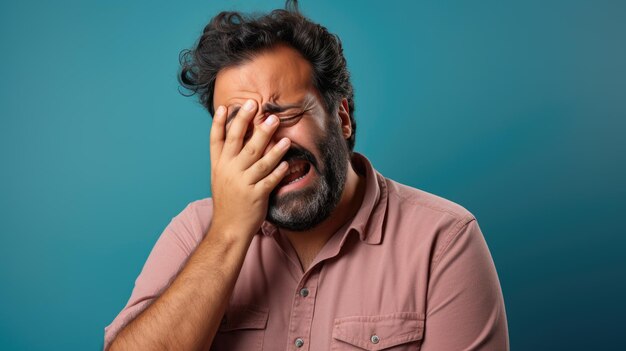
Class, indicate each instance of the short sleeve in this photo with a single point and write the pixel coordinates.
(465, 306)
(174, 246)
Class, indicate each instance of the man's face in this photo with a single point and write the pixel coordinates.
(279, 80)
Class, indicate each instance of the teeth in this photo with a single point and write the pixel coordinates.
(295, 180)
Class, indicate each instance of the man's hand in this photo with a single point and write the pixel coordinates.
(242, 177)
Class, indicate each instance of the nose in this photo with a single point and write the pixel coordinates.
(256, 123)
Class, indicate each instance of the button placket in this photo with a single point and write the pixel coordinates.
(301, 317)
(299, 342)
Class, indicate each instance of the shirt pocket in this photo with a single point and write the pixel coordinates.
(243, 327)
(395, 331)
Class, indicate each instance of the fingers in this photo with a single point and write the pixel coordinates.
(251, 158)
(267, 184)
(237, 131)
(267, 164)
(216, 137)
(255, 147)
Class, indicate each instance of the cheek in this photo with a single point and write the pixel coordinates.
(308, 138)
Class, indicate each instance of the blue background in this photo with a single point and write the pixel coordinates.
(514, 109)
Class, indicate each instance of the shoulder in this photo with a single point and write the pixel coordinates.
(191, 224)
(407, 198)
(417, 217)
(198, 210)
(200, 205)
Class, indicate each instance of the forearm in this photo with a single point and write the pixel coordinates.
(186, 316)
(243, 174)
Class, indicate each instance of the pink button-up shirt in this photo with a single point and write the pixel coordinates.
(410, 271)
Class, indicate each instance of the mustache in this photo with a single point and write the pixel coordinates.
(298, 153)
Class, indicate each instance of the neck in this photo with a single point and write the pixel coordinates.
(308, 243)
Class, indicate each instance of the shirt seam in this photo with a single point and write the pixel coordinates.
(456, 230)
(416, 202)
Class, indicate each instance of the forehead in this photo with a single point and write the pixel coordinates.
(274, 75)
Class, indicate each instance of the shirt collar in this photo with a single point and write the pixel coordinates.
(369, 218)
(368, 221)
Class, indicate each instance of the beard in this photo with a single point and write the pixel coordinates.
(303, 209)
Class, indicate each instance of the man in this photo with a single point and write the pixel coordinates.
(303, 245)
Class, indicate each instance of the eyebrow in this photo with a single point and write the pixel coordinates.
(269, 107)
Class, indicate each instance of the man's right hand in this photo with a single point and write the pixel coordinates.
(242, 177)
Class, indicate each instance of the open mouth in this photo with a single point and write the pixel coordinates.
(298, 170)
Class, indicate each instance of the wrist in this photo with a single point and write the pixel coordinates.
(230, 234)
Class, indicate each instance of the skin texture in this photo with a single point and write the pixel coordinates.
(246, 167)
(281, 76)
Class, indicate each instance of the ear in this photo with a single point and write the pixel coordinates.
(344, 118)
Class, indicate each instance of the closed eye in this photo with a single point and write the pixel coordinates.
(291, 119)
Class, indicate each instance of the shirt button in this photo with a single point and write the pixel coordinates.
(304, 292)
(299, 342)
(374, 339)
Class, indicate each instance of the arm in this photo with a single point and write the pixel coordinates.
(465, 304)
(207, 280)
(187, 314)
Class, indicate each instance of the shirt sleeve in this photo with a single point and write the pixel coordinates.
(465, 306)
(167, 257)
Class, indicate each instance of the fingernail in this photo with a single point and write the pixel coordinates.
(283, 142)
(270, 120)
(249, 106)
(219, 110)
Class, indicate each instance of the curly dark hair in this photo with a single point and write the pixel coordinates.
(232, 38)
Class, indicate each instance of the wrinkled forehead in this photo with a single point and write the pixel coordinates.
(279, 74)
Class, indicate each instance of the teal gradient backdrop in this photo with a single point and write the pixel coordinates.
(514, 109)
